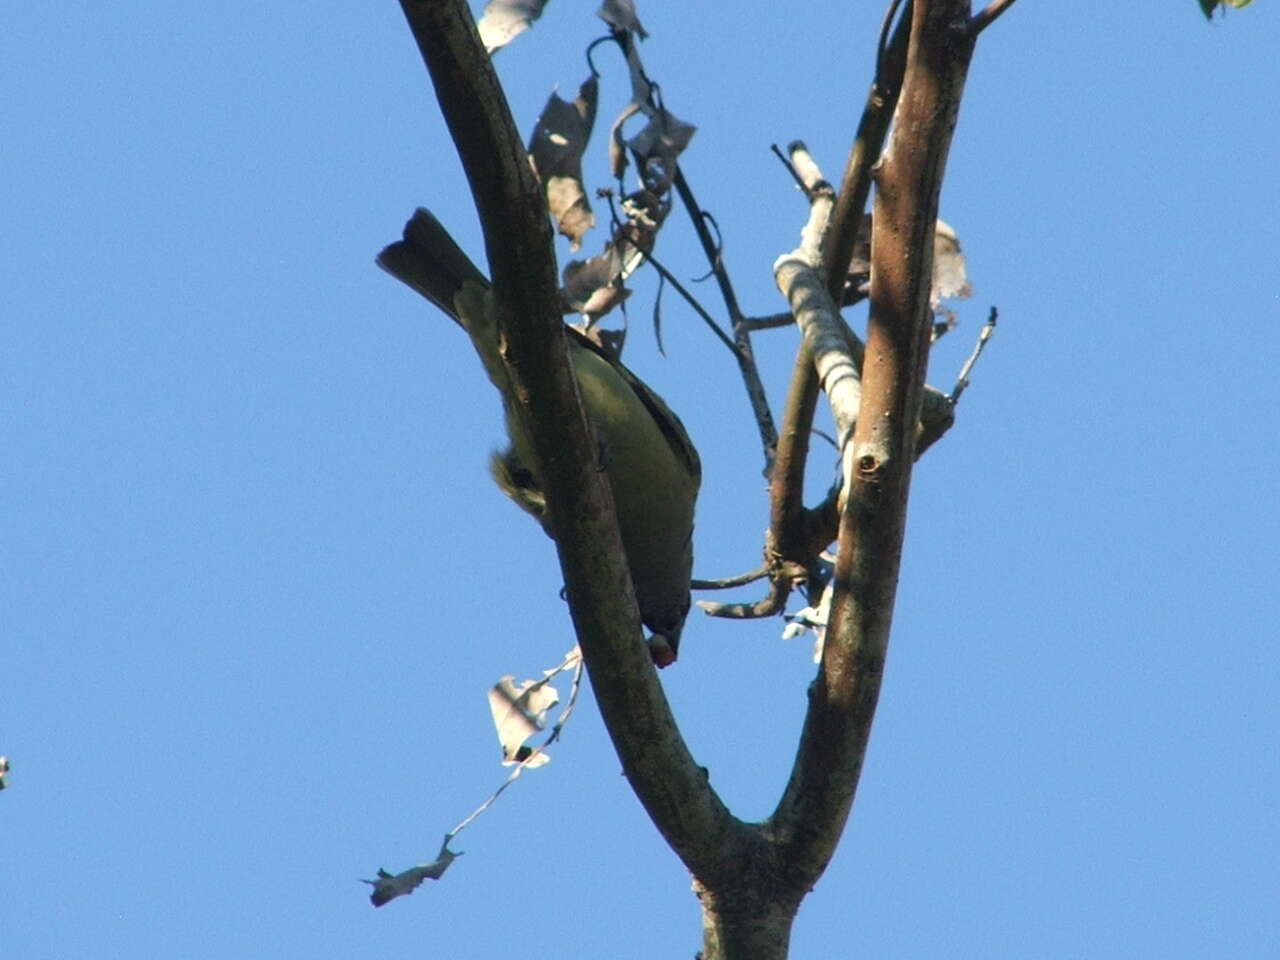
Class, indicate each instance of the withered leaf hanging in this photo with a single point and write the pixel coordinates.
(556, 149)
(504, 20)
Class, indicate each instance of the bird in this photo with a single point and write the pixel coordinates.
(645, 452)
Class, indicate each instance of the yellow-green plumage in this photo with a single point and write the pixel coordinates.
(652, 466)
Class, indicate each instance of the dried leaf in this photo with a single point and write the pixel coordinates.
(658, 145)
(519, 713)
(811, 618)
(664, 135)
(389, 886)
(645, 213)
(582, 278)
(950, 275)
(504, 20)
(594, 287)
(950, 280)
(621, 15)
(617, 145)
(556, 148)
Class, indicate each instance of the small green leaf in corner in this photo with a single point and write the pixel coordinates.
(1207, 7)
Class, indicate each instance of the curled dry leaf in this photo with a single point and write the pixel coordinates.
(621, 16)
(388, 886)
(950, 274)
(504, 20)
(950, 278)
(588, 284)
(658, 145)
(617, 143)
(519, 713)
(556, 149)
(594, 287)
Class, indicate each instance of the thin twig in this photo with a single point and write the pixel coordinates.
(770, 606)
(574, 659)
(819, 321)
(890, 12)
(709, 247)
(741, 337)
(822, 197)
(725, 583)
(772, 322)
(806, 170)
(698, 308)
(827, 437)
(988, 15)
(962, 381)
(790, 167)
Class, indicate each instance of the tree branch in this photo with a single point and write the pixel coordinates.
(988, 15)
(741, 335)
(815, 806)
(518, 240)
(787, 524)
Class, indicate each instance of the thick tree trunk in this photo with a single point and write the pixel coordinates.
(746, 924)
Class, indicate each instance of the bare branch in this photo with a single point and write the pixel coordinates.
(727, 583)
(813, 810)
(988, 15)
(741, 337)
(770, 606)
(709, 246)
(805, 169)
(855, 186)
(773, 321)
(797, 277)
(693, 302)
(790, 168)
(787, 520)
(655, 759)
(819, 323)
(962, 381)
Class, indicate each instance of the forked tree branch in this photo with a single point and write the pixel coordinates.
(787, 521)
(815, 806)
(750, 877)
(518, 241)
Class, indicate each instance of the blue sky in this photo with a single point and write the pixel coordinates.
(256, 582)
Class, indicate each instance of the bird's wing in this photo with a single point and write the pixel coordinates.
(430, 261)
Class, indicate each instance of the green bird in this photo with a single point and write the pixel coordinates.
(652, 466)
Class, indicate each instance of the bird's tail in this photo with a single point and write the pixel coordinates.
(430, 261)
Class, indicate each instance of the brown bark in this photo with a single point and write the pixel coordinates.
(815, 806)
(518, 241)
